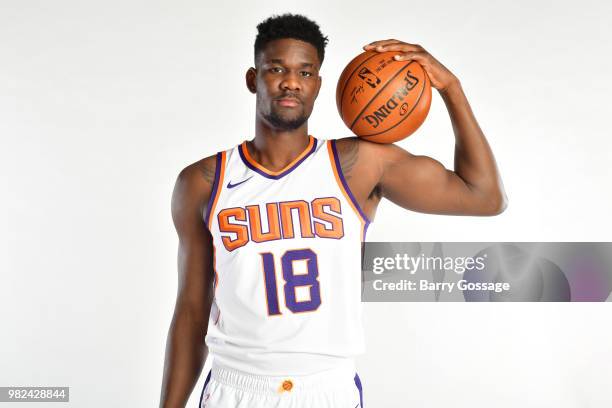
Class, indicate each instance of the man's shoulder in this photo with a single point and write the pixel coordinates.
(353, 148)
(196, 179)
(363, 161)
(357, 146)
(201, 170)
(350, 143)
(345, 143)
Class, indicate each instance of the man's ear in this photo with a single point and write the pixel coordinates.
(251, 80)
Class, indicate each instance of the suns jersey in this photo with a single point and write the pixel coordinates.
(287, 261)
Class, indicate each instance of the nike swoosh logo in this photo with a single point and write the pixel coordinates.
(230, 185)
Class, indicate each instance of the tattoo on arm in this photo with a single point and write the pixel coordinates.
(348, 158)
(208, 170)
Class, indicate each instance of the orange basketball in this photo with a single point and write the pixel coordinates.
(381, 99)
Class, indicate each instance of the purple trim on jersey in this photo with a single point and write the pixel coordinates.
(204, 387)
(358, 384)
(346, 187)
(215, 186)
(284, 173)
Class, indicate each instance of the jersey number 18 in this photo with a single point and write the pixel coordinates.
(292, 281)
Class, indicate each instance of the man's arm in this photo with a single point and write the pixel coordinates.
(186, 350)
(421, 183)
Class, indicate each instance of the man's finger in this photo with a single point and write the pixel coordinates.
(375, 44)
(400, 47)
(408, 56)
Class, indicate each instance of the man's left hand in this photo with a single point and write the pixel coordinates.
(441, 78)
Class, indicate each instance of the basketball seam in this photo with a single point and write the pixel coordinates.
(407, 115)
(378, 93)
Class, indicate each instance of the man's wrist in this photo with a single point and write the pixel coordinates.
(453, 87)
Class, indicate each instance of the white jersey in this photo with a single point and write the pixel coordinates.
(287, 259)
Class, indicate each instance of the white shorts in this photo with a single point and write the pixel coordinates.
(228, 388)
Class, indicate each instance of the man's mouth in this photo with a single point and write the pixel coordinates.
(288, 102)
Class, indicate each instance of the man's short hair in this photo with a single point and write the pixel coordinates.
(290, 26)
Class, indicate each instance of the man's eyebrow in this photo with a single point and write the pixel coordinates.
(280, 61)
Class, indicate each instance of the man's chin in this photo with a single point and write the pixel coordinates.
(286, 123)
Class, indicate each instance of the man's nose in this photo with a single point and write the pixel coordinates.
(290, 82)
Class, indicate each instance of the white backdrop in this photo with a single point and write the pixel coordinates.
(103, 103)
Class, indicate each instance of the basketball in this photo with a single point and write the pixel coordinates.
(381, 99)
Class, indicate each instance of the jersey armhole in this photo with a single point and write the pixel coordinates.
(344, 188)
(216, 188)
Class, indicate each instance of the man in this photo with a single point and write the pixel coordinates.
(270, 233)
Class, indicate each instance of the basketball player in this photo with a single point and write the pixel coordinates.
(270, 233)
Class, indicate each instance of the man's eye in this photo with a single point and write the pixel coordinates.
(306, 73)
(274, 69)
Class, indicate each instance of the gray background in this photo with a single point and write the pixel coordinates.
(103, 103)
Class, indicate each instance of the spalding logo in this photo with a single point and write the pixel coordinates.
(386, 109)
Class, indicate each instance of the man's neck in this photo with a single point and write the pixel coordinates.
(275, 149)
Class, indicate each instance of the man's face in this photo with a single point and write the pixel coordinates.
(286, 82)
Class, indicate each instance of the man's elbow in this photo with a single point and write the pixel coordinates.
(496, 204)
